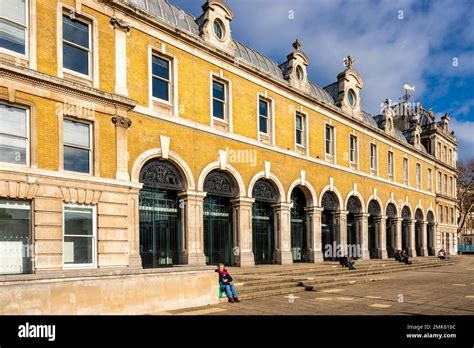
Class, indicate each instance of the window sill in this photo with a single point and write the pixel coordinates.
(14, 58)
(78, 78)
(162, 106)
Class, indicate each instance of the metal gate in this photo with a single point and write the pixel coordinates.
(298, 226)
(218, 230)
(263, 234)
(159, 227)
(328, 234)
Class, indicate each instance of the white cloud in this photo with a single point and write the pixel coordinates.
(464, 131)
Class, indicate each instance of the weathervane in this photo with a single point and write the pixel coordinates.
(407, 96)
(297, 44)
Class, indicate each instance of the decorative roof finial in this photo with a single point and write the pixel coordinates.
(297, 44)
(348, 62)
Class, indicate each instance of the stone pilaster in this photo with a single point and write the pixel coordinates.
(313, 230)
(340, 218)
(242, 240)
(398, 234)
(122, 124)
(381, 237)
(135, 260)
(122, 29)
(282, 252)
(192, 210)
(424, 239)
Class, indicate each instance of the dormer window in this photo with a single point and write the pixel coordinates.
(351, 96)
(219, 30)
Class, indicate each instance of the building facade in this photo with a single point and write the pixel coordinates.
(135, 136)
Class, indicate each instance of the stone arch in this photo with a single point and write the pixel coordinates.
(359, 196)
(354, 205)
(308, 190)
(222, 183)
(391, 210)
(405, 211)
(334, 191)
(374, 208)
(419, 214)
(172, 157)
(273, 179)
(376, 199)
(229, 169)
(162, 174)
(430, 216)
(392, 202)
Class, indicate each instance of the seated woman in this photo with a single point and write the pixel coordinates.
(404, 258)
(442, 254)
(348, 262)
(225, 282)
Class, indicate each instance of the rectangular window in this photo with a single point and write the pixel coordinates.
(161, 78)
(445, 189)
(430, 180)
(79, 236)
(300, 129)
(451, 211)
(439, 151)
(451, 187)
(450, 157)
(219, 100)
(440, 183)
(353, 150)
(445, 154)
(373, 157)
(418, 176)
(390, 165)
(76, 45)
(263, 116)
(77, 146)
(405, 171)
(440, 214)
(14, 25)
(329, 140)
(13, 134)
(15, 237)
(446, 217)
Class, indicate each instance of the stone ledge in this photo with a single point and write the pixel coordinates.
(85, 274)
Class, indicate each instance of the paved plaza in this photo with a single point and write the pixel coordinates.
(447, 290)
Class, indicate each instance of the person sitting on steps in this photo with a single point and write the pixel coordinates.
(348, 262)
(401, 256)
(442, 254)
(225, 282)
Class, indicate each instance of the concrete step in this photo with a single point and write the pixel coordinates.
(271, 287)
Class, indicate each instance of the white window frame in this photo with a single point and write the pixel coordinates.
(439, 182)
(332, 132)
(418, 176)
(94, 236)
(356, 151)
(374, 168)
(391, 165)
(271, 123)
(228, 103)
(170, 81)
(406, 171)
(28, 136)
(93, 77)
(27, 34)
(91, 142)
(304, 130)
(89, 49)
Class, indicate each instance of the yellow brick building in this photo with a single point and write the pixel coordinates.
(134, 135)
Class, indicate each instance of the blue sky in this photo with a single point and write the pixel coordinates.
(428, 44)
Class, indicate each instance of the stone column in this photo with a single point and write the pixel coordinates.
(362, 221)
(398, 234)
(192, 205)
(122, 124)
(313, 231)
(242, 239)
(380, 236)
(424, 239)
(341, 230)
(282, 252)
(411, 238)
